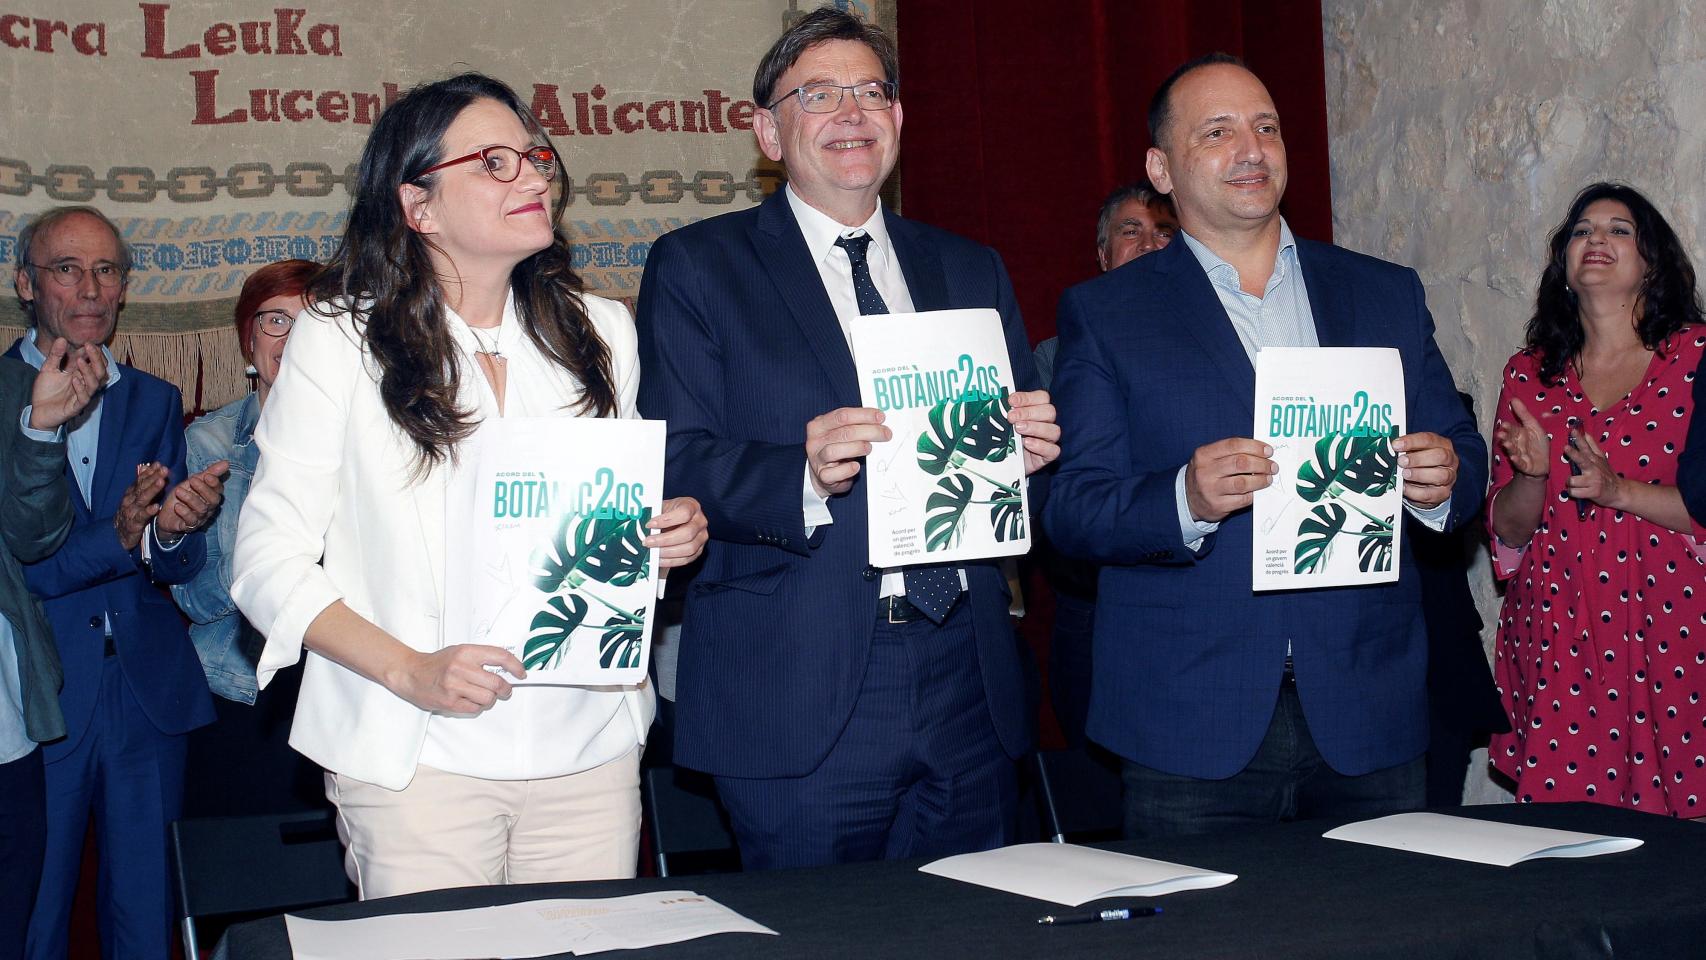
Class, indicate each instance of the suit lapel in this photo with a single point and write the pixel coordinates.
(110, 481)
(1335, 318)
(1193, 296)
(925, 280)
(780, 246)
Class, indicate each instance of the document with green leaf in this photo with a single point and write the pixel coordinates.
(1334, 513)
(544, 520)
(950, 483)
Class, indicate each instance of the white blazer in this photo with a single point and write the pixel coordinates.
(333, 515)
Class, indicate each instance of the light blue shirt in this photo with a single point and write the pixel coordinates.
(1280, 317)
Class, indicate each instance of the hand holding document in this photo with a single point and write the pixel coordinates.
(1073, 875)
(536, 928)
(949, 485)
(1477, 841)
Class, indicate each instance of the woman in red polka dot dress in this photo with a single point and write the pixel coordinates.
(1602, 639)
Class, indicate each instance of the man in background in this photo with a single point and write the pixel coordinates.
(1134, 220)
(133, 684)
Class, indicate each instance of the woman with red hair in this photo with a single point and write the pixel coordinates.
(241, 764)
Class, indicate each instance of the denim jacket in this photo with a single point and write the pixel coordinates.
(229, 648)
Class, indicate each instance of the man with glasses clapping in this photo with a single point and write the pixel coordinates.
(133, 687)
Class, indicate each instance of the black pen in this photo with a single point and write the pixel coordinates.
(1123, 913)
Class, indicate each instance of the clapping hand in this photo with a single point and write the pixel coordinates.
(1597, 481)
(191, 504)
(137, 506)
(67, 381)
(1523, 442)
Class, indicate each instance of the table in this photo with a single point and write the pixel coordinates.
(1297, 896)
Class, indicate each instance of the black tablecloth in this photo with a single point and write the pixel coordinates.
(1297, 896)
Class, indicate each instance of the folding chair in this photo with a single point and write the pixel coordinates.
(685, 821)
(266, 863)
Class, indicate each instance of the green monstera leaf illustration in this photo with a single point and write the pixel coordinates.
(1374, 546)
(550, 629)
(607, 549)
(1343, 461)
(1007, 514)
(620, 645)
(1315, 535)
(945, 511)
(976, 429)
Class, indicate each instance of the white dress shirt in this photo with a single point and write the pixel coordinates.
(836, 270)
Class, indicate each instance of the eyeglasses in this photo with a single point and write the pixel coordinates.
(69, 274)
(826, 97)
(274, 323)
(504, 163)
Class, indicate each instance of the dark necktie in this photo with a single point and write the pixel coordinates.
(932, 588)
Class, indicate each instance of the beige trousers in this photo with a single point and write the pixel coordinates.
(447, 830)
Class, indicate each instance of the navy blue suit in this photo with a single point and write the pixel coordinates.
(741, 347)
(125, 713)
(1188, 659)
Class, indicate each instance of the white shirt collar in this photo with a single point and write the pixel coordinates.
(821, 230)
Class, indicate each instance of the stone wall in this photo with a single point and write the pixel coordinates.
(1461, 129)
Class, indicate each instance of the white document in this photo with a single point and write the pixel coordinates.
(1478, 841)
(1335, 511)
(1073, 875)
(950, 483)
(536, 928)
(544, 523)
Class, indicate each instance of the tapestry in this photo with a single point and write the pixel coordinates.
(222, 135)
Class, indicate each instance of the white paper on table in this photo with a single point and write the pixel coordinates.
(949, 485)
(534, 928)
(544, 518)
(1333, 516)
(1478, 841)
(1072, 875)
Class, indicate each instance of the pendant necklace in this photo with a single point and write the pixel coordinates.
(492, 352)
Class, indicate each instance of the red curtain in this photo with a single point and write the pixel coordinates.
(1021, 115)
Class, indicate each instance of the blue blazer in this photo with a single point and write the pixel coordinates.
(1188, 658)
(740, 348)
(142, 420)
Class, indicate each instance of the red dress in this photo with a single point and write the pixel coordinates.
(1602, 639)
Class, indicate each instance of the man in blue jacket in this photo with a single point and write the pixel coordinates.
(848, 713)
(1230, 706)
(133, 686)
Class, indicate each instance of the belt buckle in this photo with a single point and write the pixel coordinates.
(893, 602)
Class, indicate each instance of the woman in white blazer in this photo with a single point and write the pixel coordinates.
(451, 301)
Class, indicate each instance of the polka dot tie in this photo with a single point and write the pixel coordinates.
(931, 588)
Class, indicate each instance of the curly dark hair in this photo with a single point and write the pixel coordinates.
(1668, 298)
(383, 274)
